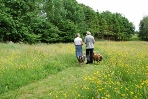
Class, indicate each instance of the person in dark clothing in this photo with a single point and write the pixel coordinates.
(89, 41)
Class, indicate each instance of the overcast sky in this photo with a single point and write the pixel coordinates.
(133, 10)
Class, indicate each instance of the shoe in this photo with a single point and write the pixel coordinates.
(87, 63)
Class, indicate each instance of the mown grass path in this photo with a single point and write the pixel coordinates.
(48, 87)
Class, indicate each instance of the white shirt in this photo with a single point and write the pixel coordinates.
(78, 41)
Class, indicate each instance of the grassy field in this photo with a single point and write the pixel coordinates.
(51, 71)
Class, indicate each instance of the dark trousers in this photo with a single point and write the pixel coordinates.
(89, 55)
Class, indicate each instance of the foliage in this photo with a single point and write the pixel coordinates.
(143, 28)
(91, 19)
(115, 26)
(52, 21)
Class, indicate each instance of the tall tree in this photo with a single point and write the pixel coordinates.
(91, 19)
(143, 28)
(117, 27)
(75, 13)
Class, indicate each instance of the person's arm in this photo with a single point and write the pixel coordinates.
(81, 41)
(93, 40)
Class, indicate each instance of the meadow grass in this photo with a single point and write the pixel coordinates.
(126, 71)
(23, 64)
(123, 73)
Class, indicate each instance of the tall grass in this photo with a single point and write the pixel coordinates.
(123, 73)
(23, 64)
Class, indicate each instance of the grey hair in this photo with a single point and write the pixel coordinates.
(88, 33)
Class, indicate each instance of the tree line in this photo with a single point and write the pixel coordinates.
(143, 29)
(51, 21)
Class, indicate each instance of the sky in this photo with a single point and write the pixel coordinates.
(133, 10)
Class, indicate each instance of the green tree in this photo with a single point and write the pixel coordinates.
(75, 13)
(49, 21)
(16, 19)
(91, 19)
(115, 26)
(143, 29)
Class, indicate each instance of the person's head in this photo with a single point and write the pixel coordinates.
(77, 35)
(88, 33)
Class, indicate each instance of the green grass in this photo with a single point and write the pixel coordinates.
(51, 71)
(23, 64)
(134, 37)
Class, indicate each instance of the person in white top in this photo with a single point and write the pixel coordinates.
(78, 45)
